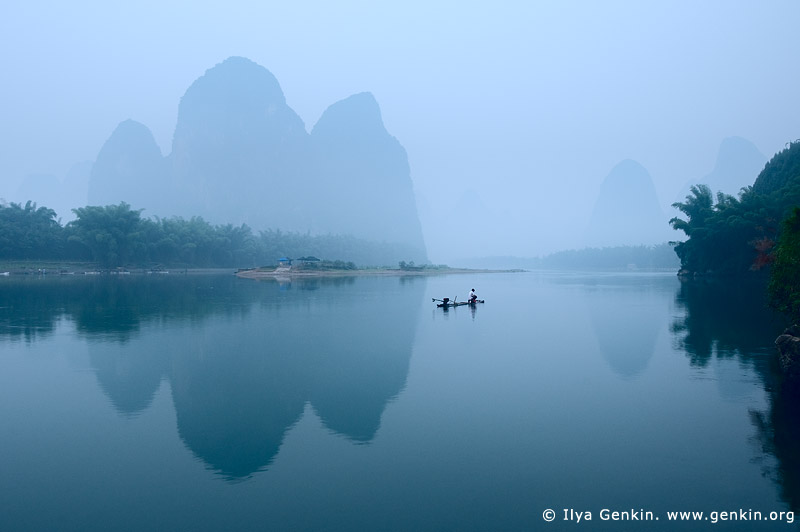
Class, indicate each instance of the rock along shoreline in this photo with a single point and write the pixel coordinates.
(788, 345)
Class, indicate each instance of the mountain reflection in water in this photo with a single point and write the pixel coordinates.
(243, 358)
(626, 333)
(565, 390)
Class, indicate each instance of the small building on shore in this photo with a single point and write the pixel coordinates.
(284, 264)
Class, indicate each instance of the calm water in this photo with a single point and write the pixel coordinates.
(213, 403)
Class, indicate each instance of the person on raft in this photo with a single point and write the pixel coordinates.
(472, 296)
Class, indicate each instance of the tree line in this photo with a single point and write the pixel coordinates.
(645, 257)
(757, 230)
(119, 236)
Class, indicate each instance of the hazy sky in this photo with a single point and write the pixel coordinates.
(522, 106)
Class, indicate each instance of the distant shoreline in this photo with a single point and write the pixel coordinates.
(51, 267)
(301, 274)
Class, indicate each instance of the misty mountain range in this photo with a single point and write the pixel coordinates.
(61, 195)
(628, 210)
(240, 154)
(737, 166)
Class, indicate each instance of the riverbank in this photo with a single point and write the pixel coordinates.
(278, 273)
(32, 267)
(92, 268)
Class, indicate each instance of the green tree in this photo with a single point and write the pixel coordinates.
(113, 234)
(30, 232)
(784, 281)
(698, 208)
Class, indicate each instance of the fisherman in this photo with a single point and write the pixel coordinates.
(472, 296)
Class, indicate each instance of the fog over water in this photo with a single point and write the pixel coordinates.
(512, 115)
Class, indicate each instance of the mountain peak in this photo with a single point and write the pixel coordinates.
(128, 165)
(240, 77)
(356, 116)
(236, 99)
(738, 162)
(129, 131)
(627, 211)
(240, 154)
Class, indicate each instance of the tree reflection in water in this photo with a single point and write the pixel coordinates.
(243, 358)
(729, 319)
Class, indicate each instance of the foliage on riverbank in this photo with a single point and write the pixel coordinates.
(784, 283)
(117, 235)
(324, 265)
(759, 229)
(734, 235)
(657, 257)
(411, 267)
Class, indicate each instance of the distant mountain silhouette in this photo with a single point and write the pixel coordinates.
(364, 174)
(466, 226)
(627, 210)
(240, 154)
(738, 164)
(44, 189)
(62, 196)
(128, 168)
(238, 149)
(75, 188)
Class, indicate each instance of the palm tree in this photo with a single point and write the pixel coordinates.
(697, 208)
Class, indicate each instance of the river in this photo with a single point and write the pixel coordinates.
(208, 402)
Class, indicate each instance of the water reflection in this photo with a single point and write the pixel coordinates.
(627, 325)
(235, 395)
(626, 312)
(446, 311)
(243, 358)
(724, 317)
(30, 307)
(729, 320)
(129, 375)
(238, 386)
(110, 307)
